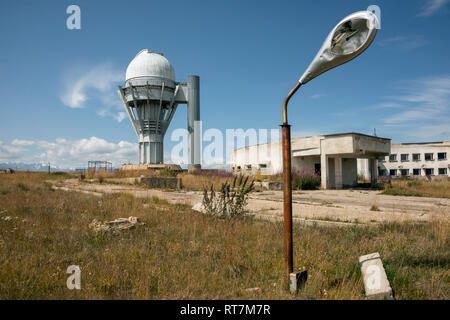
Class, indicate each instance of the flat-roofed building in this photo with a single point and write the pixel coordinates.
(417, 160)
(333, 157)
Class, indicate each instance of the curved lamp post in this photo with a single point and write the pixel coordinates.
(346, 41)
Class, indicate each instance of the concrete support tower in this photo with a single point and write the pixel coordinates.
(194, 129)
(151, 97)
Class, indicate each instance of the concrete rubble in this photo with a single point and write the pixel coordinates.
(198, 207)
(254, 290)
(270, 185)
(118, 224)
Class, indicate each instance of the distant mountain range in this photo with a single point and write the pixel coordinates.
(20, 166)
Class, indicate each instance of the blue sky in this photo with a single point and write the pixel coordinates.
(58, 86)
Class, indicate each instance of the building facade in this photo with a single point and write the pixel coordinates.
(333, 157)
(416, 160)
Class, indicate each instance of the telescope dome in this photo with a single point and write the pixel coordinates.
(150, 67)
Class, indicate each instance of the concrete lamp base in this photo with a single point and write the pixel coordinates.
(296, 280)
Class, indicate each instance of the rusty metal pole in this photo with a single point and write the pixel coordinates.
(287, 196)
(287, 187)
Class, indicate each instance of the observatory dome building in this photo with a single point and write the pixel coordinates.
(151, 67)
(151, 96)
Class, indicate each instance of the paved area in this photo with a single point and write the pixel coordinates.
(338, 206)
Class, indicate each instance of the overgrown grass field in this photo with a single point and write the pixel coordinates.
(182, 254)
(439, 188)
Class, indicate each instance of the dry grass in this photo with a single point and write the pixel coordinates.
(199, 182)
(264, 177)
(123, 174)
(439, 188)
(374, 206)
(181, 254)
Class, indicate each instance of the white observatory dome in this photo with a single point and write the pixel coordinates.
(150, 67)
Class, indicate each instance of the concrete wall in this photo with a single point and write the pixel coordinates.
(349, 168)
(367, 146)
(341, 172)
(331, 173)
(337, 145)
(309, 146)
(249, 160)
(305, 163)
(336, 154)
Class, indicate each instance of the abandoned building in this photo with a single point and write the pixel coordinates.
(416, 160)
(333, 157)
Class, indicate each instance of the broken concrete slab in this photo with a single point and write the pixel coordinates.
(376, 283)
(118, 224)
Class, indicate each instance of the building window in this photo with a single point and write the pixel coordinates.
(262, 165)
(416, 156)
(392, 158)
(248, 167)
(404, 172)
(429, 172)
(392, 172)
(442, 156)
(238, 168)
(404, 157)
(416, 172)
(381, 172)
(428, 156)
(442, 171)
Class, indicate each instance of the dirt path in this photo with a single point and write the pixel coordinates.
(338, 207)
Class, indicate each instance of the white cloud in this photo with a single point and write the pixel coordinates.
(423, 109)
(418, 133)
(432, 132)
(19, 142)
(98, 83)
(432, 6)
(386, 105)
(8, 152)
(93, 148)
(119, 116)
(404, 42)
(423, 99)
(70, 153)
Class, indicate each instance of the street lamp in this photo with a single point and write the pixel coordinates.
(346, 41)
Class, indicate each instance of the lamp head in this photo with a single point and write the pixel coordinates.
(346, 41)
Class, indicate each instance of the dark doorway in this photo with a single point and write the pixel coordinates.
(317, 169)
